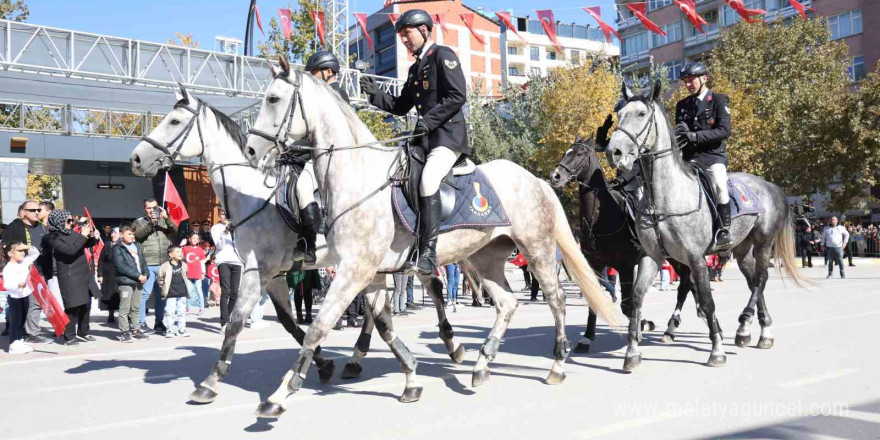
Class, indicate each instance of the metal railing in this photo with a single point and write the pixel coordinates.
(72, 120)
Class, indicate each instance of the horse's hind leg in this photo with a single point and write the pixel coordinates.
(684, 288)
(435, 288)
(543, 267)
(746, 264)
(353, 367)
(583, 346)
(762, 258)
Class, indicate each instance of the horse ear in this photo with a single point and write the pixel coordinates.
(591, 139)
(578, 139)
(180, 93)
(627, 93)
(657, 89)
(285, 65)
(272, 70)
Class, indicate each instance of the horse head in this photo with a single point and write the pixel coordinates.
(176, 136)
(579, 162)
(637, 131)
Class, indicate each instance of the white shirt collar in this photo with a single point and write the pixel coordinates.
(703, 94)
(425, 48)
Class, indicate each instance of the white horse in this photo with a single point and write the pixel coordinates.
(364, 235)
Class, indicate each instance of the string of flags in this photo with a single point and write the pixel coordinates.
(546, 18)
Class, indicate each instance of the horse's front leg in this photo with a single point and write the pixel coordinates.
(647, 271)
(684, 288)
(717, 357)
(362, 346)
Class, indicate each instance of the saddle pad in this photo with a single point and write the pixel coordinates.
(476, 205)
(744, 201)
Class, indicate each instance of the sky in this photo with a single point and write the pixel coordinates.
(158, 20)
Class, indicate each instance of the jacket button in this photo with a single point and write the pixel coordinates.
(420, 106)
(418, 95)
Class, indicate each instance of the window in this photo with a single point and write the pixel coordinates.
(535, 27)
(536, 71)
(575, 57)
(673, 69)
(564, 30)
(580, 32)
(596, 34)
(635, 44)
(856, 68)
(512, 50)
(385, 36)
(534, 53)
(673, 34)
(730, 17)
(551, 55)
(657, 4)
(846, 24)
(521, 24)
(513, 71)
(386, 56)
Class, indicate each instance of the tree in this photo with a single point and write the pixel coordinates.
(863, 141)
(40, 187)
(185, 40)
(15, 10)
(788, 87)
(375, 121)
(509, 128)
(302, 43)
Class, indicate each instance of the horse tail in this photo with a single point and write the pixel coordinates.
(577, 265)
(784, 255)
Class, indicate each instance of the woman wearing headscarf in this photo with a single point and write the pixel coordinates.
(75, 280)
(107, 276)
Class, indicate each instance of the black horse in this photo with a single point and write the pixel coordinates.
(607, 238)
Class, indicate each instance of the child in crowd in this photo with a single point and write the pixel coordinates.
(131, 274)
(214, 287)
(174, 281)
(195, 258)
(16, 262)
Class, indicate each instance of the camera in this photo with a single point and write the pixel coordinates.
(157, 212)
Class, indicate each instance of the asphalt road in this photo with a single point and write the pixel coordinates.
(818, 381)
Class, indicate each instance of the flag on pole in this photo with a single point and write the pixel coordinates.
(505, 18)
(689, 9)
(640, 9)
(259, 22)
(173, 203)
(745, 13)
(96, 249)
(318, 18)
(284, 14)
(362, 21)
(596, 13)
(53, 311)
(801, 8)
(549, 25)
(468, 20)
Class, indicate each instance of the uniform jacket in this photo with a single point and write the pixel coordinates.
(709, 118)
(436, 87)
(75, 280)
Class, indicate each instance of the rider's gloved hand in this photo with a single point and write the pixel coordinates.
(421, 129)
(602, 132)
(369, 85)
(684, 133)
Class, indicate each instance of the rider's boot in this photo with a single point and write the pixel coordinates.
(305, 246)
(722, 237)
(429, 225)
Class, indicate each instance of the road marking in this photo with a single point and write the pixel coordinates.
(110, 382)
(816, 378)
(823, 320)
(627, 425)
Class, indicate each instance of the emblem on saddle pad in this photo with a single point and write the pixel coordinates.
(479, 204)
(744, 195)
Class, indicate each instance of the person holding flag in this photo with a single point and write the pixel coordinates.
(155, 232)
(16, 263)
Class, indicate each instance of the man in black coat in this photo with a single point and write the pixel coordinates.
(75, 280)
(702, 124)
(436, 87)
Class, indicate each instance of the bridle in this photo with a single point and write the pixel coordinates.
(180, 138)
(281, 138)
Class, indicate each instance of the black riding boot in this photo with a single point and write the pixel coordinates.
(305, 246)
(722, 238)
(429, 224)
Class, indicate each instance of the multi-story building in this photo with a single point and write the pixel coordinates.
(538, 56)
(683, 43)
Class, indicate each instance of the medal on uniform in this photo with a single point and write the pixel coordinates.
(425, 84)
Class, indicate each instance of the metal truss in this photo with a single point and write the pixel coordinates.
(75, 121)
(337, 26)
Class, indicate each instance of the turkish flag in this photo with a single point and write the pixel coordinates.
(468, 20)
(549, 25)
(596, 13)
(96, 249)
(259, 22)
(800, 8)
(689, 9)
(318, 18)
(441, 20)
(505, 18)
(285, 22)
(393, 18)
(362, 20)
(173, 203)
(745, 13)
(640, 9)
(54, 311)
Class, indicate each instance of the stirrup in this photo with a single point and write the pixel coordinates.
(722, 246)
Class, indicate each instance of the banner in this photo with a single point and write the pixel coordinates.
(284, 14)
(689, 9)
(549, 25)
(51, 308)
(640, 9)
(173, 204)
(745, 13)
(468, 20)
(596, 13)
(505, 18)
(318, 18)
(362, 21)
(259, 22)
(800, 8)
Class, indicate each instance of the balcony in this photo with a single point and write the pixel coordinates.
(627, 23)
(697, 40)
(633, 58)
(786, 12)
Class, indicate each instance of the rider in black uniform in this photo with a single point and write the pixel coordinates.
(702, 124)
(436, 87)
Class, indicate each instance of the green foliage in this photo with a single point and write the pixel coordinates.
(15, 10)
(40, 187)
(375, 121)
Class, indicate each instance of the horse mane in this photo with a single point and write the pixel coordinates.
(647, 101)
(229, 125)
(351, 118)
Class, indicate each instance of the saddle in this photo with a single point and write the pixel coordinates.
(414, 163)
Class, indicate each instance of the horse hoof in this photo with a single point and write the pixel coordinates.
(743, 340)
(352, 371)
(631, 362)
(411, 395)
(765, 343)
(717, 360)
(648, 326)
(581, 348)
(325, 372)
(202, 394)
(480, 377)
(457, 355)
(555, 378)
(269, 410)
(667, 338)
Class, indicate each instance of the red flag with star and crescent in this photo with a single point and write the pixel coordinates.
(744, 12)
(94, 251)
(596, 13)
(54, 312)
(689, 9)
(173, 203)
(548, 22)
(284, 15)
(801, 8)
(640, 9)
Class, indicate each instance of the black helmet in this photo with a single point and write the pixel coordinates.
(414, 18)
(693, 69)
(323, 59)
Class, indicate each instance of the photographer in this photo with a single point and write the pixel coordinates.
(74, 277)
(155, 232)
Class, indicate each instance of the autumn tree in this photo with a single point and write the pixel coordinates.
(15, 10)
(40, 187)
(184, 40)
(302, 42)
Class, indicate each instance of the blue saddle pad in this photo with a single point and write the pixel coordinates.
(744, 200)
(476, 205)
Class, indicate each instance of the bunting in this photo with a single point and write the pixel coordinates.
(745, 13)
(801, 8)
(549, 25)
(689, 9)
(318, 18)
(505, 18)
(259, 22)
(640, 9)
(284, 14)
(362, 20)
(441, 20)
(393, 18)
(468, 20)
(596, 13)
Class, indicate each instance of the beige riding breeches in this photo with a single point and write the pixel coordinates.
(306, 185)
(439, 163)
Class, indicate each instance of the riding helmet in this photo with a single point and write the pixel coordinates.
(323, 59)
(414, 18)
(693, 69)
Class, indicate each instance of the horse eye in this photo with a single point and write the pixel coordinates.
(643, 113)
(175, 122)
(273, 99)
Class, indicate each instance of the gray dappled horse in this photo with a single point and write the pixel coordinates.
(674, 219)
(364, 236)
